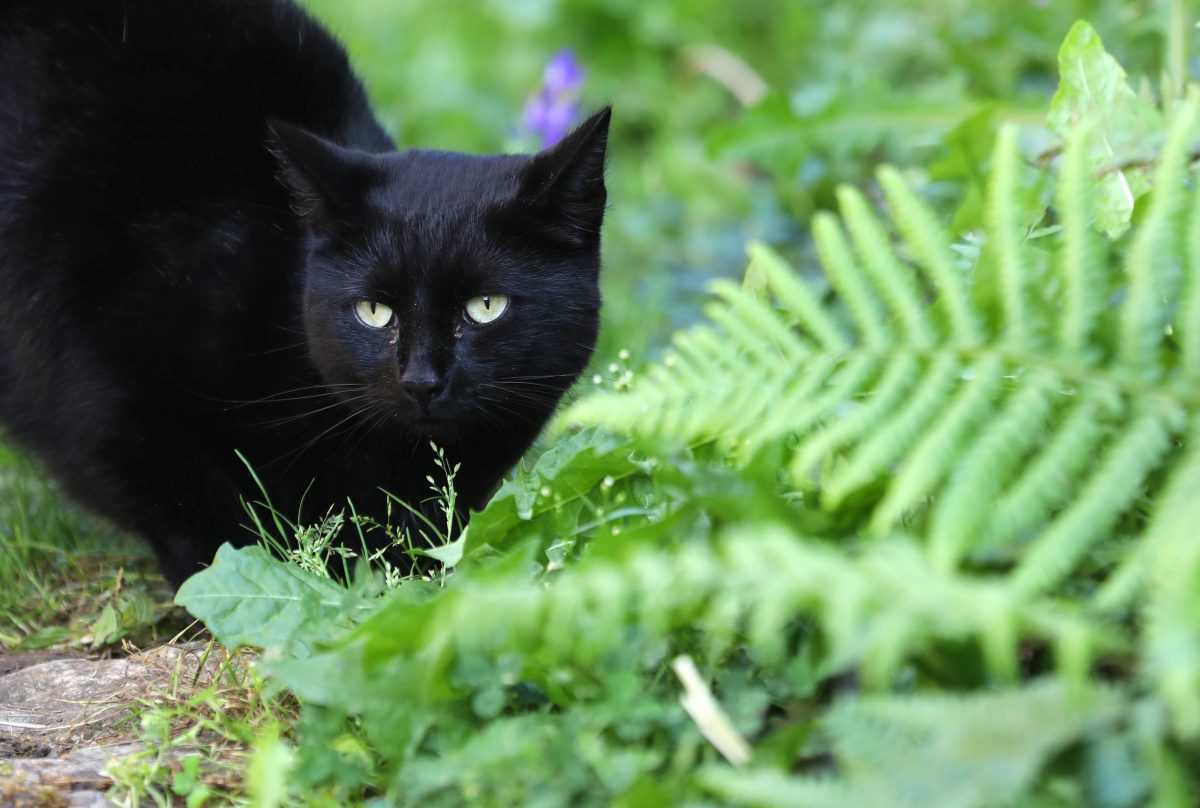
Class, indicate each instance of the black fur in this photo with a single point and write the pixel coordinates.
(193, 195)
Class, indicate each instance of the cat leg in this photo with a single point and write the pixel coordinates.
(189, 518)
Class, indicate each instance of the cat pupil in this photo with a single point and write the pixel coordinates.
(227, 172)
(372, 314)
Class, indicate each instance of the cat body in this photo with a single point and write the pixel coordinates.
(202, 230)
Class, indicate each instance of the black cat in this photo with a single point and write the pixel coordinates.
(209, 245)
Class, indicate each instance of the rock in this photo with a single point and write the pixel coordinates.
(14, 661)
(77, 779)
(62, 720)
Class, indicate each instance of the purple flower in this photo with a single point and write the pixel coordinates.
(550, 113)
(563, 74)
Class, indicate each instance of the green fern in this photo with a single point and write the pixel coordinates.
(945, 750)
(1014, 415)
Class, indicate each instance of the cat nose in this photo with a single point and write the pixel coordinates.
(419, 380)
(422, 389)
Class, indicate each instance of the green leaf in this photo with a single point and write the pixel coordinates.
(249, 597)
(967, 160)
(448, 554)
(564, 473)
(1092, 90)
(267, 774)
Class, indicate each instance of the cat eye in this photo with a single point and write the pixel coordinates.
(486, 308)
(372, 314)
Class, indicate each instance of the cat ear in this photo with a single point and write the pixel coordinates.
(325, 179)
(569, 179)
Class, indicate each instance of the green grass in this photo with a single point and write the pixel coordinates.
(65, 579)
(198, 736)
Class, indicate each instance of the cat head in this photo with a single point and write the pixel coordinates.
(454, 294)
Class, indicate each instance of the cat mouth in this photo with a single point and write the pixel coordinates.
(421, 420)
(430, 427)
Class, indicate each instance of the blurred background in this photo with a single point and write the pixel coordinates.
(732, 121)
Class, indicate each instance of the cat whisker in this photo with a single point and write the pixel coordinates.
(324, 390)
(500, 405)
(536, 395)
(544, 376)
(361, 429)
(534, 385)
(282, 348)
(308, 414)
(489, 417)
(324, 434)
(528, 396)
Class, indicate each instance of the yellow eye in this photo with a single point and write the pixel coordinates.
(372, 314)
(486, 308)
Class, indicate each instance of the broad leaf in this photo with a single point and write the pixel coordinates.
(249, 597)
(1093, 91)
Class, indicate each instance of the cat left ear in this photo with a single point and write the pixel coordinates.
(569, 178)
(324, 178)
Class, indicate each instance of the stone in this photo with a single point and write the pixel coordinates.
(62, 720)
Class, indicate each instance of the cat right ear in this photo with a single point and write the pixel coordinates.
(568, 179)
(325, 179)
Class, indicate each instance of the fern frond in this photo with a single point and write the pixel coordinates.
(1153, 266)
(992, 436)
(979, 750)
(1081, 271)
(930, 244)
(1188, 322)
(797, 300)
(769, 333)
(1130, 579)
(893, 386)
(768, 788)
(1049, 479)
(847, 384)
(879, 451)
(961, 515)
(1096, 508)
(796, 393)
(929, 461)
(1005, 240)
(757, 579)
(895, 281)
(1171, 657)
(846, 277)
